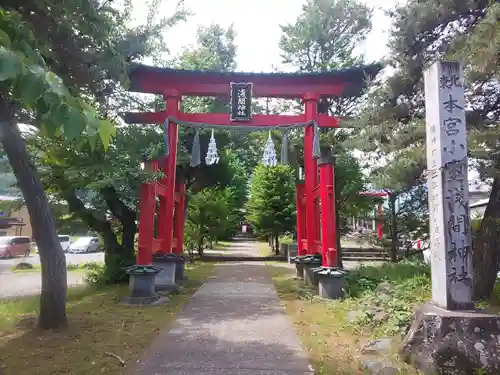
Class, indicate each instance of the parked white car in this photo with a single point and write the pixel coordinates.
(65, 241)
(84, 245)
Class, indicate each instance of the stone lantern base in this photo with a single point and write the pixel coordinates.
(310, 272)
(166, 279)
(142, 285)
(447, 342)
(330, 282)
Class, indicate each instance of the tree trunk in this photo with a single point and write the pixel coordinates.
(116, 256)
(485, 254)
(276, 244)
(53, 295)
(394, 229)
(200, 247)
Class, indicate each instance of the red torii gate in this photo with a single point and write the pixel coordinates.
(385, 193)
(316, 234)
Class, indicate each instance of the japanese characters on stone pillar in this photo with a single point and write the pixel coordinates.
(449, 220)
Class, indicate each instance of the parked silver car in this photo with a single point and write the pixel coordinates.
(84, 245)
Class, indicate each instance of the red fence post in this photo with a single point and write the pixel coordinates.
(172, 102)
(311, 174)
(147, 209)
(179, 218)
(328, 219)
(162, 214)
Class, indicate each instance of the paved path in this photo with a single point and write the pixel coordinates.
(233, 325)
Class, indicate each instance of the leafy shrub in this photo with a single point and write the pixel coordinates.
(95, 273)
(286, 239)
(387, 308)
(366, 279)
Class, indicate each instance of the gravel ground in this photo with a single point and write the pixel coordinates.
(15, 284)
(29, 283)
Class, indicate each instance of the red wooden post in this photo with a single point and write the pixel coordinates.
(146, 220)
(162, 213)
(311, 174)
(379, 225)
(179, 218)
(328, 219)
(299, 195)
(172, 102)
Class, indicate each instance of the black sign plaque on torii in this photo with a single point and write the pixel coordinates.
(241, 101)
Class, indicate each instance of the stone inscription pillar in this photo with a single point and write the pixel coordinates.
(449, 224)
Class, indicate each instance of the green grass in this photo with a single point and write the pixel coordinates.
(98, 324)
(222, 245)
(334, 331)
(70, 267)
(330, 335)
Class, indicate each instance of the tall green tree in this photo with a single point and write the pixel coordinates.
(271, 206)
(28, 87)
(393, 122)
(55, 58)
(323, 38)
(210, 214)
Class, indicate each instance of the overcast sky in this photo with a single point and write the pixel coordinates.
(257, 25)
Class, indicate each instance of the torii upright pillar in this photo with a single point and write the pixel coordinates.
(301, 222)
(311, 174)
(172, 100)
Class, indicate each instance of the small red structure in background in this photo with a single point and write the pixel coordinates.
(379, 208)
(314, 234)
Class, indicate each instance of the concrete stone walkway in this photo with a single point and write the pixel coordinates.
(233, 325)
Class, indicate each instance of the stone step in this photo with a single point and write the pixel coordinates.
(367, 254)
(363, 259)
(362, 250)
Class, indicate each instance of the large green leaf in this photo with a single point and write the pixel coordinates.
(51, 98)
(4, 39)
(49, 124)
(106, 132)
(56, 84)
(10, 66)
(30, 87)
(61, 114)
(76, 123)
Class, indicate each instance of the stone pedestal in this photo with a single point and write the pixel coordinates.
(331, 282)
(310, 275)
(292, 252)
(180, 267)
(166, 279)
(453, 342)
(299, 270)
(284, 249)
(142, 285)
(303, 260)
